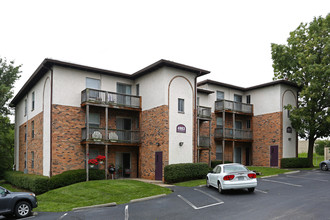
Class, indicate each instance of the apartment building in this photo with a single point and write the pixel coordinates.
(67, 114)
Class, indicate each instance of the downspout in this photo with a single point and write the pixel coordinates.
(26, 135)
(51, 122)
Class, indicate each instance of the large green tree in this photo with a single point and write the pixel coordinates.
(305, 60)
(9, 73)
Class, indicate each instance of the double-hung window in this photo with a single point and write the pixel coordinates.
(33, 101)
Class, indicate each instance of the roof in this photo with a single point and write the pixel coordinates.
(206, 91)
(285, 82)
(45, 66)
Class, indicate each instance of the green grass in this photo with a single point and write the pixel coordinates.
(96, 192)
(10, 187)
(265, 171)
(316, 158)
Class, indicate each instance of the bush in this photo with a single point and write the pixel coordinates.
(35, 183)
(294, 162)
(320, 145)
(74, 176)
(185, 171)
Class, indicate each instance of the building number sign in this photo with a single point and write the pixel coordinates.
(181, 128)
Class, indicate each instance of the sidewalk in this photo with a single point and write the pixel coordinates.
(156, 182)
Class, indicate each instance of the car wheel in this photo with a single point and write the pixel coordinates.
(324, 167)
(251, 190)
(219, 188)
(207, 182)
(22, 209)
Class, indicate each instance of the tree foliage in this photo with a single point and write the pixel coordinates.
(305, 60)
(320, 145)
(7, 135)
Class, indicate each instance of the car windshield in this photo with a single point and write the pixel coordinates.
(234, 168)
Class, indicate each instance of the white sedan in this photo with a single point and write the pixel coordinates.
(231, 176)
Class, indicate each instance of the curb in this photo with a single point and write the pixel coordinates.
(147, 198)
(292, 172)
(95, 206)
(264, 177)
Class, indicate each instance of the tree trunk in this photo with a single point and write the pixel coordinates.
(311, 142)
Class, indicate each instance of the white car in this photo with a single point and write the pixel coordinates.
(231, 176)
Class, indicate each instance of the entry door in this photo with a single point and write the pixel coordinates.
(274, 156)
(237, 154)
(159, 166)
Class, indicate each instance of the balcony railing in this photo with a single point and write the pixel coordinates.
(233, 106)
(204, 141)
(110, 98)
(230, 133)
(114, 135)
(204, 112)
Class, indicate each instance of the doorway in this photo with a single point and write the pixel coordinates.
(247, 156)
(123, 165)
(238, 155)
(274, 156)
(158, 165)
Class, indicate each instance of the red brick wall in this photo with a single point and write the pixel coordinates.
(267, 131)
(34, 144)
(154, 129)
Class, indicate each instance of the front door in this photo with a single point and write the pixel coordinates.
(274, 156)
(159, 166)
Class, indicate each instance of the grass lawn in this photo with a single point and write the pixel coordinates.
(10, 187)
(96, 192)
(265, 171)
(316, 158)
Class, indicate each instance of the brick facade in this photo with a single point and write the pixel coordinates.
(267, 132)
(154, 129)
(34, 145)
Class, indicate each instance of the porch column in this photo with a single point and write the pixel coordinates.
(223, 135)
(87, 158)
(106, 139)
(87, 123)
(234, 126)
(106, 162)
(233, 150)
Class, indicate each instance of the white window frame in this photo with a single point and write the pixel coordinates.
(180, 105)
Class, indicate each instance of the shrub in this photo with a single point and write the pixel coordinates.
(74, 176)
(185, 171)
(294, 162)
(320, 145)
(35, 183)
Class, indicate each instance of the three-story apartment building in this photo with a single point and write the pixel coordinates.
(66, 114)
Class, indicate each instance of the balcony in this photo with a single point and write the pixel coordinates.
(204, 112)
(204, 141)
(114, 136)
(110, 99)
(238, 134)
(233, 106)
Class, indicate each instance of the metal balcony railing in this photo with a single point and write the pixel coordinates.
(230, 133)
(110, 98)
(204, 112)
(114, 135)
(233, 106)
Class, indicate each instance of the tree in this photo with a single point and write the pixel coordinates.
(320, 145)
(8, 75)
(305, 60)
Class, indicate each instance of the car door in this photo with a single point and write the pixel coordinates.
(214, 176)
(4, 200)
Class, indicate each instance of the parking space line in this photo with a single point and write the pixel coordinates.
(258, 190)
(216, 199)
(196, 208)
(307, 178)
(274, 181)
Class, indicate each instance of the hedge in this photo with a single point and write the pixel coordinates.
(185, 171)
(40, 184)
(35, 183)
(294, 162)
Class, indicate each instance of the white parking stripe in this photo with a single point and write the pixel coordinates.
(258, 190)
(307, 178)
(126, 212)
(274, 181)
(216, 199)
(194, 207)
(62, 216)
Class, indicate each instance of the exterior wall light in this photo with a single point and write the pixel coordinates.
(180, 144)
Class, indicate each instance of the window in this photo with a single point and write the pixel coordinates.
(219, 152)
(25, 107)
(220, 95)
(24, 160)
(94, 120)
(137, 89)
(248, 124)
(25, 135)
(32, 159)
(181, 105)
(237, 98)
(288, 113)
(94, 84)
(248, 99)
(219, 122)
(33, 100)
(124, 89)
(238, 125)
(32, 128)
(197, 101)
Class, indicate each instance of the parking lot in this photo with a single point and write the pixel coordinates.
(300, 195)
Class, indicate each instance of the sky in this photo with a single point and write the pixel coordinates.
(232, 39)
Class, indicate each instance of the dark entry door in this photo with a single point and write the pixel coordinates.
(274, 156)
(159, 166)
(247, 156)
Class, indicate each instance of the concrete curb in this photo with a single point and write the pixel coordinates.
(264, 177)
(292, 172)
(96, 206)
(147, 198)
